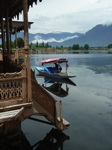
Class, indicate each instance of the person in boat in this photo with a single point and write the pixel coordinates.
(58, 67)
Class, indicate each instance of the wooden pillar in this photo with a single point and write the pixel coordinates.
(61, 118)
(10, 25)
(25, 16)
(7, 33)
(3, 36)
(29, 91)
(10, 43)
(3, 44)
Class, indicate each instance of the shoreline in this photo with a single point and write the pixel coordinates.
(54, 51)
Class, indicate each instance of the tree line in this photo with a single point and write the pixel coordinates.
(39, 45)
(20, 44)
(77, 47)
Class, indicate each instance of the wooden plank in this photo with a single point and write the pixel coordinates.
(7, 108)
(12, 78)
(10, 115)
(19, 112)
(10, 102)
(65, 122)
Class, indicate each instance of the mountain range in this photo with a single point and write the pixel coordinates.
(100, 35)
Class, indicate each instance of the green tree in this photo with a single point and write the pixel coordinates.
(20, 42)
(110, 46)
(12, 44)
(37, 44)
(30, 45)
(75, 47)
(43, 44)
(86, 46)
(61, 46)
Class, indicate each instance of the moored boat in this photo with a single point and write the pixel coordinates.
(56, 70)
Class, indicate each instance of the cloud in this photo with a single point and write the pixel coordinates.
(40, 39)
(69, 15)
(81, 21)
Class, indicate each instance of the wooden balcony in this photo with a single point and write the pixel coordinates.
(15, 90)
(20, 94)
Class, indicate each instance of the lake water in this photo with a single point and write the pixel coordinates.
(87, 107)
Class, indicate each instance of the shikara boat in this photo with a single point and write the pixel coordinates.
(56, 70)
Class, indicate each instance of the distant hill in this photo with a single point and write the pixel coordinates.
(49, 37)
(100, 35)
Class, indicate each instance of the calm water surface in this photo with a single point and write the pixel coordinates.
(88, 106)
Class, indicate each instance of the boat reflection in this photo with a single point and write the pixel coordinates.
(53, 141)
(56, 87)
(16, 140)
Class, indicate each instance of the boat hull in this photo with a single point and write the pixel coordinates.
(53, 75)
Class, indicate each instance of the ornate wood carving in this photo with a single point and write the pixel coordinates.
(11, 86)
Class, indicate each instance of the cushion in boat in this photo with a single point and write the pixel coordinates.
(51, 69)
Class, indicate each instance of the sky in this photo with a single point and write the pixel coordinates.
(69, 15)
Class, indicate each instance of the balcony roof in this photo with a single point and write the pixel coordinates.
(17, 26)
(14, 7)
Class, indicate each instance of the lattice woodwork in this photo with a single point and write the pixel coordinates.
(11, 89)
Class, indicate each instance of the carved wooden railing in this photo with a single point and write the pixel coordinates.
(15, 88)
(11, 86)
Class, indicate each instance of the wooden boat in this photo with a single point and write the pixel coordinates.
(55, 71)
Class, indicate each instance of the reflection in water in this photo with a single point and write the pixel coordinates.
(101, 69)
(52, 141)
(16, 140)
(56, 86)
(88, 106)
